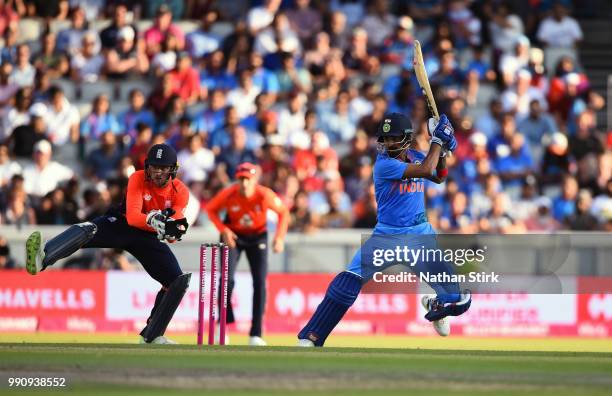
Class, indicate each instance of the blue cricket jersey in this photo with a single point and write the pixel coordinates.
(401, 203)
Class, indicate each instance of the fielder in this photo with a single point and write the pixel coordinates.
(151, 214)
(401, 212)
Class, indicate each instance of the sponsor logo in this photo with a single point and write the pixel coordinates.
(290, 301)
(147, 197)
(159, 154)
(600, 307)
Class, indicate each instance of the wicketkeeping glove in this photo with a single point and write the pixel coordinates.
(157, 220)
(175, 229)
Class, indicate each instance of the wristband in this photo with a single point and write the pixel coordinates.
(436, 140)
(442, 173)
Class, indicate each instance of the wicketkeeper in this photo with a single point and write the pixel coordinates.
(151, 215)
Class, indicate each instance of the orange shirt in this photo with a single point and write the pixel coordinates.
(143, 197)
(247, 215)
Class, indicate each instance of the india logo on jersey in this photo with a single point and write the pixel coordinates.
(409, 186)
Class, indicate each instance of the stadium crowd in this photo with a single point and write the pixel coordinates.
(298, 87)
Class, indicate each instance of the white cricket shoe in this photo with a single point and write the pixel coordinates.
(305, 343)
(161, 340)
(257, 341)
(441, 326)
(34, 253)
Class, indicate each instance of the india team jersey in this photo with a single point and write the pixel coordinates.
(401, 203)
(143, 197)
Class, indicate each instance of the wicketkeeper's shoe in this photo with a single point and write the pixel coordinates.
(441, 326)
(305, 343)
(159, 340)
(34, 253)
(257, 341)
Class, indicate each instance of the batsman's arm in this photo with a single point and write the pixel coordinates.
(427, 168)
(441, 172)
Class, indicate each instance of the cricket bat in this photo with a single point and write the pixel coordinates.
(421, 74)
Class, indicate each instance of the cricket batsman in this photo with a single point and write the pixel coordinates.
(245, 204)
(151, 215)
(401, 212)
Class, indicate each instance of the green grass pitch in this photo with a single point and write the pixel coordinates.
(459, 366)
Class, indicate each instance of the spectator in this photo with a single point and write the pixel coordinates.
(23, 74)
(103, 162)
(536, 124)
(236, 152)
(379, 23)
(196, 160)
(260, 17)
(517, 100)
(62, 118)
(243, 97)
(44, 174)
(499, 220)
(265, 80)
(161, 96)
(202, 41)
(128, 57)
(16, 115)
(24, 137)
(55, 210)
(465, 27)
(213, 117)
(304, 20)
(425, 15)
(505, 28)
(336, 216)
(7, 86)
(6, 261)
(564, 204)
(50, 59)
(542, 220)
(162, 26)
(8, 17)
(582, 219)
(291, 119)
(398, 48)
(165, 60)
(17, 211)
(365, 209)
(185, 80)
(559, 29)
(215, 75)
(338, 32)
(601, 208)
(458, 219)
(135, 114)
(513, 162)
(8, 167)
(337, 124)
(356, 56)
(8, 53)
(100, 120)
(69, 40)
(556, 160)
(109, 36)
(301, 219)
(278, 37)
(86, 65)
(357, 184)
(142, 143)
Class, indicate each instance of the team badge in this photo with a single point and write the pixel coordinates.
(386, 127)
(147, 197)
